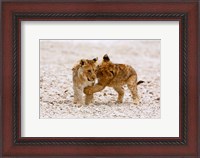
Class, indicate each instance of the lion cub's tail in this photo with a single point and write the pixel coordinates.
(139, 82)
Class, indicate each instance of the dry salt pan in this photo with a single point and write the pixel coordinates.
(56, 92)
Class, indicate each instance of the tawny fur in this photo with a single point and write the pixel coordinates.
(115, 75)
(83, 75)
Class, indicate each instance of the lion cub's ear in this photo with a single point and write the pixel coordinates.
(95, 59)
(82, 62)
(106, 58)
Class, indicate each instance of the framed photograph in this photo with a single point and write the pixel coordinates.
(100, 78)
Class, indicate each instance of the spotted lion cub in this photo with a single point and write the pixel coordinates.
(115, 75)
(83, 76)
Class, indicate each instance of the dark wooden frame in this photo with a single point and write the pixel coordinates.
(185, 12)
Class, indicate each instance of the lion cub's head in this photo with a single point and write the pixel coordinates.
(87, 69)
(106, 69)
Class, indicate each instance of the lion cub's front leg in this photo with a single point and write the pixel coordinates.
(93, 89)
(120, 91)
(78, 97)
(88, 99)
(89, 91)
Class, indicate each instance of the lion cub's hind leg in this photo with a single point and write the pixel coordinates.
(132, 85)
(120, 91)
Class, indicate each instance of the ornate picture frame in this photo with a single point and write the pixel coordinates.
(15, 145)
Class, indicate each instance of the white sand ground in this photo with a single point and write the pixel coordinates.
(57, 58)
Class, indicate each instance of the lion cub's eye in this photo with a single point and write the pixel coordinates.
(89, 71)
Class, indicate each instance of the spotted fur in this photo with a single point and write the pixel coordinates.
(115, 75)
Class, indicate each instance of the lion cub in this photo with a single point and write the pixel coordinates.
(83, 76)
(115, 75)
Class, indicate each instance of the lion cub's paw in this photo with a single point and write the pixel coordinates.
(136, 101)
(87, 91)
(119, 102)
